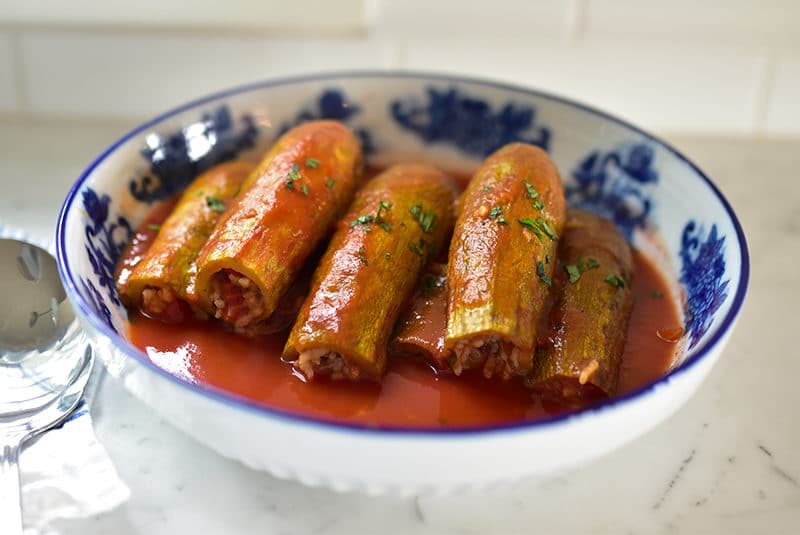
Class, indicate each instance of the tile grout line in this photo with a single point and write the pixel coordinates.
(764, 89)
(577, 19)
(18, 72)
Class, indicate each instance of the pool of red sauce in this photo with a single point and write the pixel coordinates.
(411, 393)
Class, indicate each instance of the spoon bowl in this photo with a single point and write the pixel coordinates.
(43, 372)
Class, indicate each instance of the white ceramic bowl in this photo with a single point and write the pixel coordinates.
(653, 193)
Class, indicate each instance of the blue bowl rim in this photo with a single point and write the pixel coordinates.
(261, 409)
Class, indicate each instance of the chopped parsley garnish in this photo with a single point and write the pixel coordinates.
(294, 174)
(615, 281)
(383, 205)
(290, 184)
(574, 272)
(537, 204)
(543, 274)
(388, 255)
(429, 284)
(152, 226)
(313, 163)
(547, 259)
(426, 219)
(304, 188)
(486, 189)
(531, 192)
(329, 183)
(362, 256)
(655, 294)
(416, 249)
(591, 263)
(539, 227)
(215, 204)
(385, 226)
(495, 212)
(362, 220)
(502, 221)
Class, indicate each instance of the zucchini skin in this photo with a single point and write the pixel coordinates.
(370, 270)
(169, 262)
(284, 211)
(498, 266)
(581, 357)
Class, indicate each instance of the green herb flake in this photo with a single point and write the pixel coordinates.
(385, 226)
(655, 294)
(215, 204)
(294, 174)
(362, 220)
(537, 204)
(429, 285)
(574, 273)
(416, 249)
(495, 212)
(531, 225)
(329, 183)
(591, 263)
(486, 189)
(304, 188)
(530, 191)
(313, 163)
(290, 184)
(546, 228)
(426, 219)
(502, 221)
(388, 255)
(547, 259)
(543, 274)
(615, 281)
(362, 256)
(383, 205)
(151, 226)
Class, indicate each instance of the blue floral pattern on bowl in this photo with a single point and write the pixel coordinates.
(469, 123)
(176, 159)
(702, 274)
(106, 237)
(617, 185)
(333, 104)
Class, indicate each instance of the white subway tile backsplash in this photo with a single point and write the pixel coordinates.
(8, 90)
(676, 88)
(139, 75)
(423, 19)
(703, 21)
(340, 15)
(783, 110)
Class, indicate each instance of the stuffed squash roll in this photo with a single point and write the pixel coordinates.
(163, 279)
(501, 261)
(285, 209)
(396, 223)
(420, 329)
(580, 358)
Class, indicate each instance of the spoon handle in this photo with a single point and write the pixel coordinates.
(10, 504)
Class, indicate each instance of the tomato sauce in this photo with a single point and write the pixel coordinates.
(411, 393)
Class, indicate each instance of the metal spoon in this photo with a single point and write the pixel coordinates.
(45, 362)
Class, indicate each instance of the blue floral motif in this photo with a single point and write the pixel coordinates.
(701, 274)
(469, 123)
(333, 104)
(104, 243)
(614, 184)
(176, 159)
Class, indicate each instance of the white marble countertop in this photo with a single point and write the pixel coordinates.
(727, 462)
